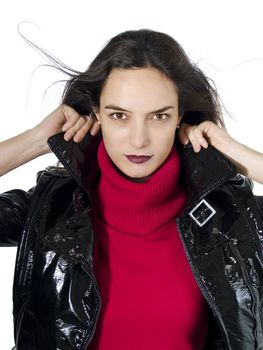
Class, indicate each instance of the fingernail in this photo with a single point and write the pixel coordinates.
(76, 138)
(68, 136)
(65, 126)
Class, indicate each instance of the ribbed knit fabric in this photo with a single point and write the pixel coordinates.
(150, 299)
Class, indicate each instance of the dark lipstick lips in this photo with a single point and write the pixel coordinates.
(138, 159)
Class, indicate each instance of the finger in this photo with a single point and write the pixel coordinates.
(95, 128)
(81, 133)
(76, 127)
(197, 139)
(71, 117)
(182, 133)
(203, 142)
(201, 135)
(195, 144)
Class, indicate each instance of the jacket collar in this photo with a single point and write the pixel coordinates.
(201, 172)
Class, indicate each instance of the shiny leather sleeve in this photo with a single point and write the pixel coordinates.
(13, 208)
(259, 200)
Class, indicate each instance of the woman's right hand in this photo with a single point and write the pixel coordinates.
(32, 143)
(65, 118)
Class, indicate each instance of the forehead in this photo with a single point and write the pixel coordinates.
(137, 84)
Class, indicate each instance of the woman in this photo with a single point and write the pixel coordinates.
(127, 247)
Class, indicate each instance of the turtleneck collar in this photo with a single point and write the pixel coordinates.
(138, 208)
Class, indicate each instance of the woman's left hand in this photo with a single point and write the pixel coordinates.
(248, 161)
(205, 133)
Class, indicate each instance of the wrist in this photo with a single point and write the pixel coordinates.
(227, 145)
(237, 151)
(38, 141)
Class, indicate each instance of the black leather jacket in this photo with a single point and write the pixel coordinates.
(55, 294)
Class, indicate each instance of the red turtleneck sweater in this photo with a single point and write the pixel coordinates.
(150, 299)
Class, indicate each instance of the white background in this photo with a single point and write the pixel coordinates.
(223, 37)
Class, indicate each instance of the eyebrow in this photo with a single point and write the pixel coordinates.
(117, 108)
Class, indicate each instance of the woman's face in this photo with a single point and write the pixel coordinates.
(138, 115)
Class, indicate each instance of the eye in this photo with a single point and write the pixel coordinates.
(162, 116)
(117, 116)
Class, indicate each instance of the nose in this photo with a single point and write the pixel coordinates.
(139, 135)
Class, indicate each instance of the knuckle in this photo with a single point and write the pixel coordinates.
(81, 120)
(73, 129)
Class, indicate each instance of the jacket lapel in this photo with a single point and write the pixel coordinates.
(80, 159)
(203, 171)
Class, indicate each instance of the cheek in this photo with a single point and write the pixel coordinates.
(167, 137)
(114, 137)
(165, 143)
(113, 142)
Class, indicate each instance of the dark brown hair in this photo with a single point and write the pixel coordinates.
(197, 95)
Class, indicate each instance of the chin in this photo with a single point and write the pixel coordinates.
(135, 172)
(138, 175)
